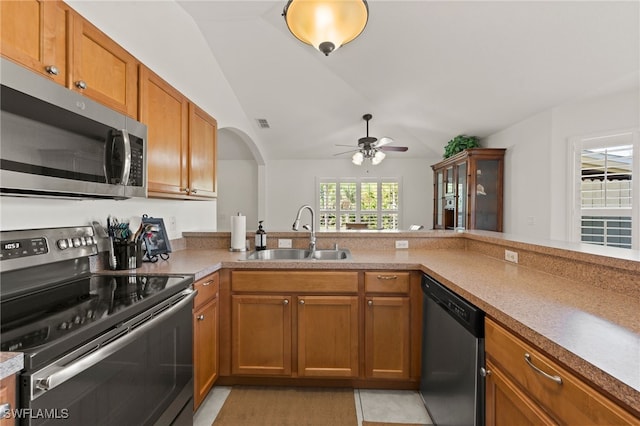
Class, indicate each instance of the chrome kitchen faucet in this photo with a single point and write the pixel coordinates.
(296, 225)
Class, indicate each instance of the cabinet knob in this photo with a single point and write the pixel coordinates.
(301, 302)
(484, 372)
(370, 302)
(200, 317)
(184, 190)
(285, 302)
(81, 85)
(193, 191)
(52, 69)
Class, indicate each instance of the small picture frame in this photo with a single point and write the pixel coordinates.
(156, 240)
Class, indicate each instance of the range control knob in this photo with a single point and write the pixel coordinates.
(89, 240)
(62, 244)
(76, 242)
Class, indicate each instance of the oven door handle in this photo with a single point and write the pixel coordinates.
(70, 371)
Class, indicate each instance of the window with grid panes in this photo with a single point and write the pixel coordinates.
(374, 202)
(605, 193)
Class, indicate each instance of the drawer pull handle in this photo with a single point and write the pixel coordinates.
(207, 283)
(387, 277)
(556, 379)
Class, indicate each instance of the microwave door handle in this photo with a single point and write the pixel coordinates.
(126, 169)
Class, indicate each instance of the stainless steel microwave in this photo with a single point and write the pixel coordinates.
(56, 142)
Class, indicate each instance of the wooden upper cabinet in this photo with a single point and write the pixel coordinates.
(102, 69)
(203, 130)
(165, 112)
(34, 34)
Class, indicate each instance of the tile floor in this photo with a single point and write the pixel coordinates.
(372, 405)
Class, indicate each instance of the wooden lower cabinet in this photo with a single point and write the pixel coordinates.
(261, 335)
(388, 324)
(327, 336)
(507, 405)
(8, 396)
(205, 337)
(518, 393)
(387, 337)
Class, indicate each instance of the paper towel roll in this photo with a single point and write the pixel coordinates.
(238, 232)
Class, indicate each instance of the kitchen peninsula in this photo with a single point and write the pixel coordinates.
(572, 302)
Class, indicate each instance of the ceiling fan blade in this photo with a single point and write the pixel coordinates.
(393, 148)
(346, 152)
(383, 141)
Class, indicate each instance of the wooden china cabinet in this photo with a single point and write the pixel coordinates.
(468, 189)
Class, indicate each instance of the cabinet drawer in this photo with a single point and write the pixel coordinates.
(299, 281)
(207, 289)
(386, 282)
(570, 402)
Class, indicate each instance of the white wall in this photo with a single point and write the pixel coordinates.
(537, 198)
(237, 192)
(23, 213)
(526, 174)
(291, 183)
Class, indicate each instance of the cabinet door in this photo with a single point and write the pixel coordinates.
(202, 153)
(261, 335)
(387, 337)
(103, 70)
(507, 405)
(205, 350)
(34, 34)
(165, 112)
(328, 336)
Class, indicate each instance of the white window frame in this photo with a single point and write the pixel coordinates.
(358, 212)
(598, 140)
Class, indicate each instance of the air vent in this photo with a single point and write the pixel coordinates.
(263, 123)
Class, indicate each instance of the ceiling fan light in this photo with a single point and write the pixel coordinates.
(357, 158)
(378, 157)
(326, 24)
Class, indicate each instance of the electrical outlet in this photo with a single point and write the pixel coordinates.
(511, 256)
(284, 243)
(172, 227)
(402, 244)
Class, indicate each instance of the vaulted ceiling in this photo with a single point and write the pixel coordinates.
(426, 70)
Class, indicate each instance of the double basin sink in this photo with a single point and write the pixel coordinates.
(299, 254)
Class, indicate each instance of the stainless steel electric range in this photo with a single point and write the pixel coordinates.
(98, 348)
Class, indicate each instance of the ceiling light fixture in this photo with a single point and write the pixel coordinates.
(326, 24)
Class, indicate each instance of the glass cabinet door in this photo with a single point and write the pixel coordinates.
(461, 196)
(439, 196)
(488, 197)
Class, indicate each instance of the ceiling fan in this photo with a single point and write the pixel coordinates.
(371, 148)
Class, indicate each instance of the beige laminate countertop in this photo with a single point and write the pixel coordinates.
(593, 331)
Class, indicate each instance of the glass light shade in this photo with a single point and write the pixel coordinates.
(357, 158)
(326, 24)
(378, 157)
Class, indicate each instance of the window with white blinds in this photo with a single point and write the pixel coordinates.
(605, 194)
(369, 203)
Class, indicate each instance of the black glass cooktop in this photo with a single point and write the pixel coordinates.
(77, 311)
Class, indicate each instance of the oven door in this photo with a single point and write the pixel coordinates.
(142, 374)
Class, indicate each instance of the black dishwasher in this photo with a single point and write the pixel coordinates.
(451, 384)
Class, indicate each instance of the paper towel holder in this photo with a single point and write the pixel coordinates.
(236, 249)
